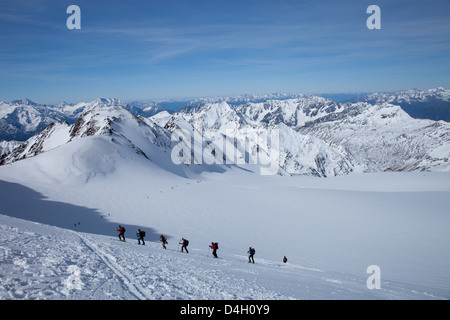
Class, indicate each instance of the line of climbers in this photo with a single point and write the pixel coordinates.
(184, 243)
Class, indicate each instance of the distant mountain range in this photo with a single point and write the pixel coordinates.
(21, 119)
(431, 104)
(316, 136)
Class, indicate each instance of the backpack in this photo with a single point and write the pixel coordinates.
(186, 242)
(142, 233)
(217, 245)
(123, 229)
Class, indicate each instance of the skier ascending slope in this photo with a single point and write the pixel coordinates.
(214, 246)
(121, 231)
(141, 234)
(251, 252)
(184, 243)
(163, 240)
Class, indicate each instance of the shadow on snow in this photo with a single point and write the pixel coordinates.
(24, 203)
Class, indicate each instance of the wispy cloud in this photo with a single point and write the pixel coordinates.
(258, 41)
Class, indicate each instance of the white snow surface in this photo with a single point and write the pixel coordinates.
(58, 238)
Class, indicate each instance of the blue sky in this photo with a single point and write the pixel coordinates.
(174, 49)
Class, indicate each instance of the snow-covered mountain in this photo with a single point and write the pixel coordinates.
(321, 137)
(296, 153)
(144, 109)
(431, 104)
(385, 138)
(294, 113)
(244, 98)
(314, 136)
(21, 119)
(115, 134)
(408, 96)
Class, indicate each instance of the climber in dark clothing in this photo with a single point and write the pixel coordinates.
(184, 243)
(251, 252)
(214, 246)
(141, 234)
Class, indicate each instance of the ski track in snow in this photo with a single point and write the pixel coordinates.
(63, 264)
(45, 262)
(162, 275)
(109, 261)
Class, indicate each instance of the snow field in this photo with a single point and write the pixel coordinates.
(329, 231)
(42, 262)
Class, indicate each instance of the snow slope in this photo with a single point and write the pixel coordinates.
(331, 230)
(42, 262)
(45, 262)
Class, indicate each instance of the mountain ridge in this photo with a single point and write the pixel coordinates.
(314, 136)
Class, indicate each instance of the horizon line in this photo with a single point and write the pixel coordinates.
(188, 99)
